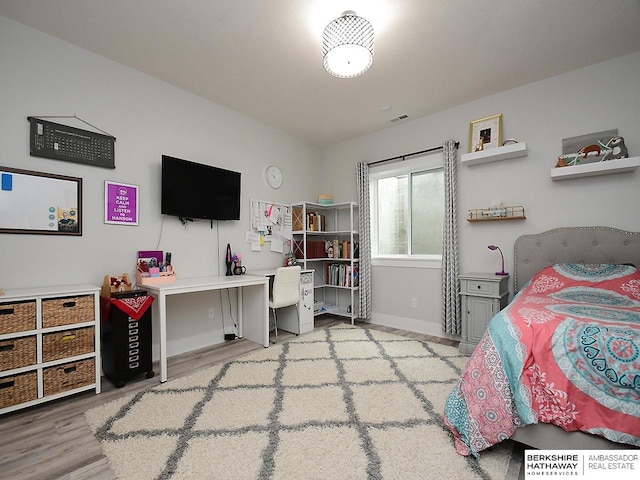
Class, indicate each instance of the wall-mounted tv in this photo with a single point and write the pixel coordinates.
(194, 190)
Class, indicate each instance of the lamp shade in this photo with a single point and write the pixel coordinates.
(347, 46)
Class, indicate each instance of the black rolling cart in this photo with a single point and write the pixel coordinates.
(126, 336)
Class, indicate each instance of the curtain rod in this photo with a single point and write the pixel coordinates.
(403, 157)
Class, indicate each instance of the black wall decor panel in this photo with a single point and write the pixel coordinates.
(70, 144)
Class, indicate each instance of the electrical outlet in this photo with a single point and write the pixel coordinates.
(414, 302)
(211, 313)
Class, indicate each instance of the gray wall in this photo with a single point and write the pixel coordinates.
(44, 76)
(593, 99)
(40, 76)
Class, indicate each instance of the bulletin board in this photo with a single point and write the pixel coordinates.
(272, 222)
(40, 203)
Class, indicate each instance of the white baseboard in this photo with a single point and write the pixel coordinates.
(411, 324)
(189, 344)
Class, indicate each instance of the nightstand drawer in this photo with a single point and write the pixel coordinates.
(493, 287)
(478, 287)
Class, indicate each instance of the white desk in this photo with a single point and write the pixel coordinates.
(253, 305)
(303, 321)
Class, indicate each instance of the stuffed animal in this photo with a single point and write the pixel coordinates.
(619, 148)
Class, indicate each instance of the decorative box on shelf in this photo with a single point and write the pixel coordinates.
(145, 278)
(115, 283)
(496, 213)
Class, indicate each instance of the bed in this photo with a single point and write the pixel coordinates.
(559, 367)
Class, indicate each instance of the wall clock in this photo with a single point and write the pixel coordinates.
(273, 176)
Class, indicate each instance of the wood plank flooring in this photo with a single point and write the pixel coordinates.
(53, 441)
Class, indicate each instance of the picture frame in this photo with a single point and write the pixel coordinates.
(485, 133)
(121, 203)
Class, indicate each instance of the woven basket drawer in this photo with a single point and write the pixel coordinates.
(17, 317)
(67, 343)
(68, 376)
(67, 311)
(17, 352)
(18, 389)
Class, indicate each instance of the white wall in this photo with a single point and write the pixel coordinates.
(41, 75)
(593, 99)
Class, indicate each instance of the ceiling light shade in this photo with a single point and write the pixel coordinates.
(347, 46)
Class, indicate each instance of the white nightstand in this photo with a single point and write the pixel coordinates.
(483, 295)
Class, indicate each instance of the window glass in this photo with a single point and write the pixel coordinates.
(393, 215)
(407, 207)
(427, 204)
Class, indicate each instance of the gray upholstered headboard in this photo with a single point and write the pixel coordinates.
(573, 245)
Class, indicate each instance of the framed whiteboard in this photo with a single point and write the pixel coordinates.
(40, 203)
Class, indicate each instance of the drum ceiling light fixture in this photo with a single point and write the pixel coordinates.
(347, 46)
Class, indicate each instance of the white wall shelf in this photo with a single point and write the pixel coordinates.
(506, 152)
(620, 165)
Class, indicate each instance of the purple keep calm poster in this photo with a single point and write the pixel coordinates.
(120, 203)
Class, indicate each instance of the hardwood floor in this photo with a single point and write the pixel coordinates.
(52, 440)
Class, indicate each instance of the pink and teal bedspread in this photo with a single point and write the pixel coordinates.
(565, 351)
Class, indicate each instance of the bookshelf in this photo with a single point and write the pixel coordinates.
(325, 240)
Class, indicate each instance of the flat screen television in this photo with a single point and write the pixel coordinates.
(194, 190)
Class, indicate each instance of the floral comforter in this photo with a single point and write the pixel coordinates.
(565, 351)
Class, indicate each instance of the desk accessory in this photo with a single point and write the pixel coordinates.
(229, 260)
(495, 247)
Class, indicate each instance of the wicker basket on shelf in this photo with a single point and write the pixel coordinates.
(17, 317)
(18, 389)
(67, 311)
(17, 352)
(68, 376)
(67, 343)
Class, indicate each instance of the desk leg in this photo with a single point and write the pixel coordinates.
(253, 313)
(265, 321)
(162, 321)
(240, 319)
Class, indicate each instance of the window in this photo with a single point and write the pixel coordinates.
(407, 206)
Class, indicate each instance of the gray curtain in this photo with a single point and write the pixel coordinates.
(364, 230)
(451, 322)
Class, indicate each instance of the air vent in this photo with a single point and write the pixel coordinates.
(400, 117)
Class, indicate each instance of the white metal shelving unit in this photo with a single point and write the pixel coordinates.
(340, 227)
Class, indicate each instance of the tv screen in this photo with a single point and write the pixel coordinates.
(195, 190)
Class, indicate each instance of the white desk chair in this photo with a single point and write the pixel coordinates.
(285, 292)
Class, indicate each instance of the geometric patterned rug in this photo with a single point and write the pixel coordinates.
(337, 403)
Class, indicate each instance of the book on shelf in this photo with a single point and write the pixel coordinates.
(341, 275)
(316, 222)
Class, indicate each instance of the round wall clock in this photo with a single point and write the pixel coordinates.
(273, 176)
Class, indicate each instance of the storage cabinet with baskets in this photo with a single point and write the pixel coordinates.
(49, 339)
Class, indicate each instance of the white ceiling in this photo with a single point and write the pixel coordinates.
(263, 57)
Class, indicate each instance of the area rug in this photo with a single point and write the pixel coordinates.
(337, 403)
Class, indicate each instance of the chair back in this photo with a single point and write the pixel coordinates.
(286, 287)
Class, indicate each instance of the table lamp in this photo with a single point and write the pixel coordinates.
(495, 247)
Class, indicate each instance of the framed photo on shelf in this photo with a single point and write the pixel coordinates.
(485, 133)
